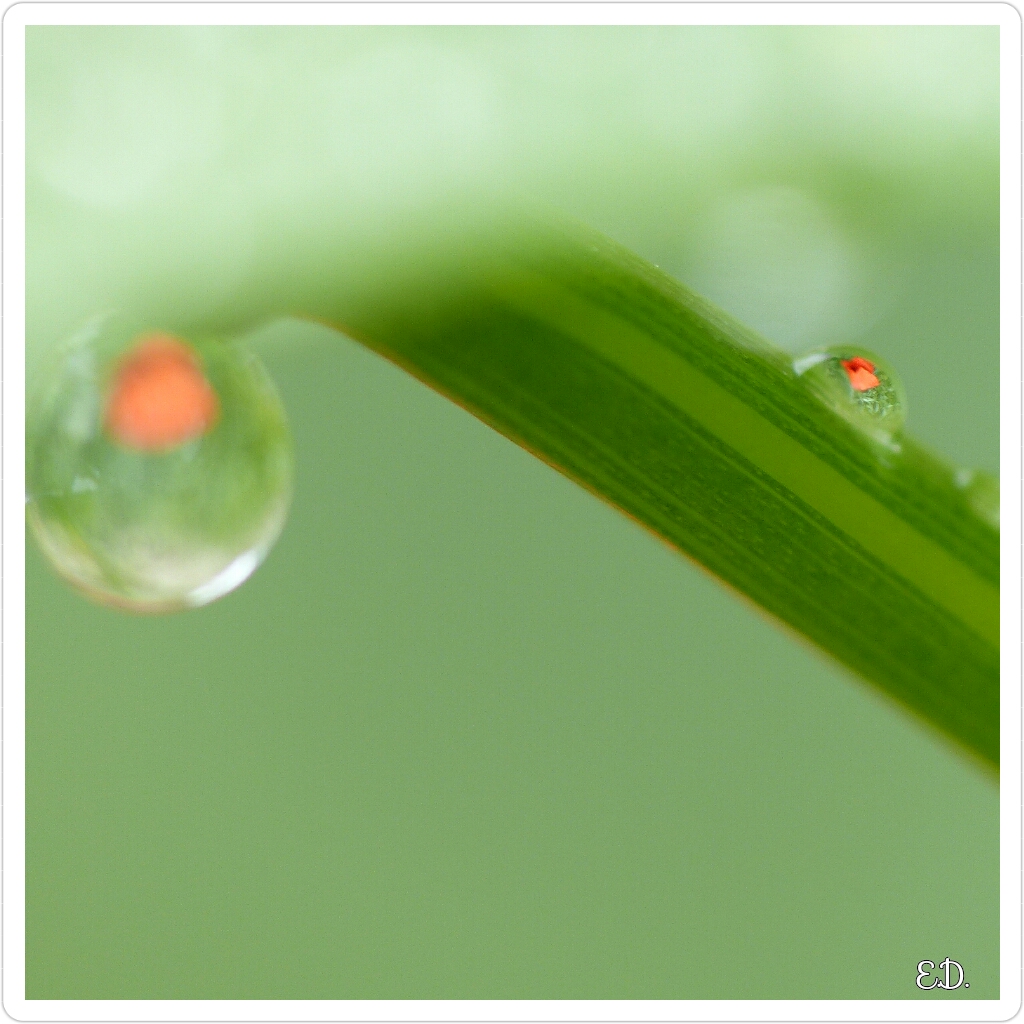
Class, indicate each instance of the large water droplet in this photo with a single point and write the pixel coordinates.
(859, 385)
(981, 490)
(159, 471)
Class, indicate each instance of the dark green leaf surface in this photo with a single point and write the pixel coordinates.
(654, 400)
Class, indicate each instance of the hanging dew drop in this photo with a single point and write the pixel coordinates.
(860, 386)
(159, 470)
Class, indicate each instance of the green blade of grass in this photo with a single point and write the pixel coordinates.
(651, 398)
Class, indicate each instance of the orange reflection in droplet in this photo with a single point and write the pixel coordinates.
(861, 372)
(160, 398)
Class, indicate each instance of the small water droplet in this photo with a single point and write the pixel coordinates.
(981, 490)
(159, 471)
(860, 386)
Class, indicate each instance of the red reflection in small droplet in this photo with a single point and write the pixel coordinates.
(861, 372)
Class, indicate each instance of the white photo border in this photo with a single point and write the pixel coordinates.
(12, 368)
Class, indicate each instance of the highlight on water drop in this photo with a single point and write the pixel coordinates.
(159, 469)
(860, 386)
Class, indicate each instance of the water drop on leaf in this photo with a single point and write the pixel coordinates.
(859, 385)
(981, 490)
(159, 470)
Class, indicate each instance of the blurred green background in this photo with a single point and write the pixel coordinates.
(470, 733)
